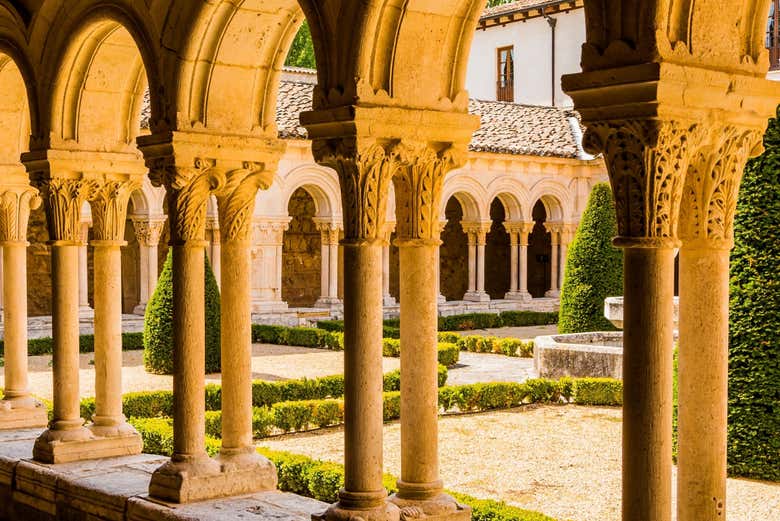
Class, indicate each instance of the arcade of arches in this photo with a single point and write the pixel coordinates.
(675, 99)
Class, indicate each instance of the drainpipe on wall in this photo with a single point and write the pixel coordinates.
(553, 22)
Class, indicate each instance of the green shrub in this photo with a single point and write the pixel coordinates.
(292, 416)
(301, 336)
(528, 318)
(391, 332)
(391, 406)
(214, 424)
(262, 421)
(449, 354)
(158, 323)
(267, 334)
(598, 391)
(490, 510)
(328, 412)
(336, 326)
(45, 345)
(449, 337)
(500, 346)
(391, 347)
(754, 332)
(594, 267)
(470, 321)
(157, 436)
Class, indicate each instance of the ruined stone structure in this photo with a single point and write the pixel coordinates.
(676, 99)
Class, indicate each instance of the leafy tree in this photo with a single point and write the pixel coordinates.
(594, 268)
(301, 52)
(754, 337)
(158, 323)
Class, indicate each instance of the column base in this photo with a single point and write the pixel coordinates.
(140, 309)
(386, 511)
(86, 312)
(518, 295)
(64, 446)
(441, 299)
(327, 302)
(476, 296)
(28, 415)
(203, 478)
(553, 293)
(389, 300)
(441, 507)
(268, 306)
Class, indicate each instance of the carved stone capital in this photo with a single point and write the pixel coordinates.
(109, 202)
(148, 230)
(63, 199)
(477, 231)
(270, 232)
(329, 230)
(236, 200)
(647, 160)
(16, 201)
(418, 187)
(712, 186)
(365, 170)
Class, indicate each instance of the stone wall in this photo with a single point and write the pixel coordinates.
(454, 254)
(38, 266)
(497, 253)
(301, 255)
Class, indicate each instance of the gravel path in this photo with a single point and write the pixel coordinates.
(523, 333)
(562, 461)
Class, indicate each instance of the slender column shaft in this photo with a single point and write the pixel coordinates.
(83, 270)
(523, 282)
(363, 375)
(66, 413)
(386, 270)
(2, 298)
(703, 384)
(189, 350)
(554, 264)
(278, 280)
(333, 270)
(562, 263)
(216, 256)
(419, 389)
(647, 378)
(236, 331)
(144, 274)
(513, 263)
(472, 263)
(108, 334)
(15, 322)
(324, 266)
(481, 264)
(154, 269)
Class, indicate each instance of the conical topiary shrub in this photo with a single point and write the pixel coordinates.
(754, 329)
(158, 323)
(594, 268)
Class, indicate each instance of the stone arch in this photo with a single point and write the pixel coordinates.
(230, 58)
(556, 200)
(513, 195)
(321, 184)
(497, 265)
(302, 248)
(15, 119)
(396, 48)
(99, 58)
(470, 194)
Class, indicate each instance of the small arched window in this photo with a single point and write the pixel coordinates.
(773, 35)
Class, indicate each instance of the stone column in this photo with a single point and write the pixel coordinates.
(647, 227)
(109, 209)
(387, 298)
(522, 238)
(245, 471)
(190, 474)
(85, 310)
(554, 230)
(567, 234)
(268, 237)
(440, 298)
(418, 195)
(712, 188)
(514, 253)
(147, 231)
(329, 238)
(18, 409)
(66, 438)
(365, 173)
(214, 248)
(479, 233)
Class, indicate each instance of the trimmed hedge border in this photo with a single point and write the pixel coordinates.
(491, 344)
(319, 479)
(45, 345)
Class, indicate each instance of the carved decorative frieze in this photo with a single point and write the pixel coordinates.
(418, 187)
(365, 172)
(15, 205)
(646, 160)
(148, 230)
(109, 202)
(712, 186)
(63, 199)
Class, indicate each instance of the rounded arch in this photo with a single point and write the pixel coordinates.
(15, 117)
(319, 182)
(513, 195)
(230, 58)
(100, 59)
(555, 198)
(471, 195)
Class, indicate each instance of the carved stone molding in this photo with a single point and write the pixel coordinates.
(365, 171)
(418, 187)
(15, 205)
(647, 160)
(712, 186)
(109, 202)
(236, 200)
(269, 233)
(148, 230)
(63, 199)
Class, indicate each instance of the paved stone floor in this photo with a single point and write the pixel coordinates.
(563, 461)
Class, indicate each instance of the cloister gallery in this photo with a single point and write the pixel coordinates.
(673, 97)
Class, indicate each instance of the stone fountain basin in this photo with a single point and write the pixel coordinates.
(580, 355)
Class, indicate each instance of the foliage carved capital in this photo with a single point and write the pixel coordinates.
(236, 200)
(148, 230)
(16, 202)
(647, 160)
(109, 202)
(63, 199)
(712, 184)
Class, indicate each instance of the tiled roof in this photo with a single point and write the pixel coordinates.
(507, 128)
(513, 6)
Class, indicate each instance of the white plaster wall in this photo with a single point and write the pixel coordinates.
(533, 58)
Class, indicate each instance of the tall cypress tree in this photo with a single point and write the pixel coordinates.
(754, 336)
(594, 268)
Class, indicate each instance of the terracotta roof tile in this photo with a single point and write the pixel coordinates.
(514, 6)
